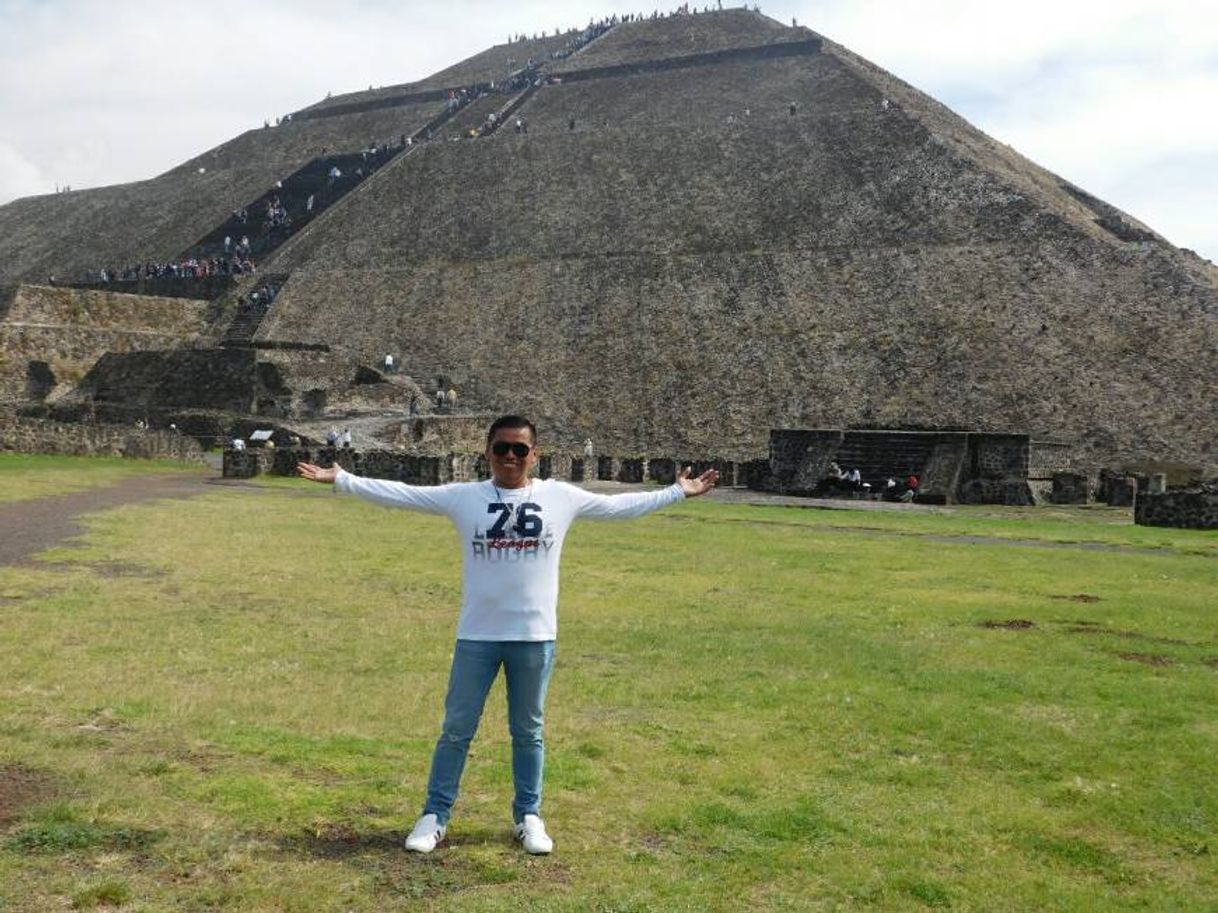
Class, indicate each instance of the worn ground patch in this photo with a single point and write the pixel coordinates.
(21, 787)
(1148, 659)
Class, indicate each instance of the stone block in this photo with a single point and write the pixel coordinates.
(727, 470)
(1000, 456)
(606, 468)
(1123, 492)
(459, 468)
(284, 461)
(1011, 492)
(242, 464)
(630, 469)
(754, 474)
(1182, 509)
(1070, 488)
(662, 470)
(431, 471)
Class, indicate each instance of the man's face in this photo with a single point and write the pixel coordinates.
(510, 470)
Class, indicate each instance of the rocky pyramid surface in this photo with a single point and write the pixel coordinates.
(708, 226)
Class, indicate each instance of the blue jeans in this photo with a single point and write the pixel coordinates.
(526, 667)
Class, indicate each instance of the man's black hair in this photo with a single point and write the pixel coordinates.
(511, 421)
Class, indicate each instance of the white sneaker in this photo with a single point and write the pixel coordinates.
(531, 832)
(428, 831)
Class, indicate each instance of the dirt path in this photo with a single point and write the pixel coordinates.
(36, 525)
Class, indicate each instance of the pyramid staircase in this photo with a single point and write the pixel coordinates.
(293, 192)
(250, 312)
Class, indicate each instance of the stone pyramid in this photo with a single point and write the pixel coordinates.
(705, 227)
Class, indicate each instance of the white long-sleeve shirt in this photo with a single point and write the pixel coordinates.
(511, 541)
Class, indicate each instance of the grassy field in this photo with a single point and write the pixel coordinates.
(24, 476)
(229, 703)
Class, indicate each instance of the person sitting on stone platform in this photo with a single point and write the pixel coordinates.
(833, 482)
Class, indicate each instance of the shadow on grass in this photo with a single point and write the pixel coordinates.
(464, 861)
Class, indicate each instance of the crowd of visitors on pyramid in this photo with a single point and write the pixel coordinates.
(259, 299)
(459, 98)
(594, 30)
(241, 251)
(597, 28)
(192, 268)
(276, 215)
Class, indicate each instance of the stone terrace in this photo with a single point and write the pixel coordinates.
(67, 330)
(705, 97)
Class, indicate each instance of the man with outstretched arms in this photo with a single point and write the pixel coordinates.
(511, 528)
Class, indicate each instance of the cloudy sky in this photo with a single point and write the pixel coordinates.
(1118, 96)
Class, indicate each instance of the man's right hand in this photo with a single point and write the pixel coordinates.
(318, 473)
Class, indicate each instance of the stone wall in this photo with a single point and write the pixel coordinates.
(1196, 509)
(198, 288)
(1070, 488)
(1046, 458)
(51, 337)
(39, 436)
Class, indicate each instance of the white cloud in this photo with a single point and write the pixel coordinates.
(19, 177)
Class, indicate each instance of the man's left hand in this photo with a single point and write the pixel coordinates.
(699, 486)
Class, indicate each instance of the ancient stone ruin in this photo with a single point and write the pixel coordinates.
(704, 228)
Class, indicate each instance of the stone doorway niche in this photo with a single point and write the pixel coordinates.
(39, 381)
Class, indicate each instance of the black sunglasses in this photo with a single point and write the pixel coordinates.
(500, 448)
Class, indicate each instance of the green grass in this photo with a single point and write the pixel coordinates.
(753, 708)
(27, 476)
